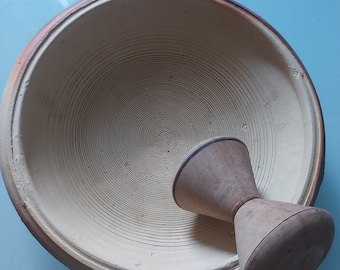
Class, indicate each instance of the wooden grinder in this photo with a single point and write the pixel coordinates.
(217, 180)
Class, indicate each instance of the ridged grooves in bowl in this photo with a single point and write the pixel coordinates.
(138, 134)
(105, 127)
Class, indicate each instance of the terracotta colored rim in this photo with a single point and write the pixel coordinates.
(12, 163)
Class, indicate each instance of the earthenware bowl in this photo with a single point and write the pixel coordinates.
(104, 103)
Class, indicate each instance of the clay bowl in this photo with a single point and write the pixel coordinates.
(107, 100)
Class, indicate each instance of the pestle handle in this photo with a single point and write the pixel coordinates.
(200, 185)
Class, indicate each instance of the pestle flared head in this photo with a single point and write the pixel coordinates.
(280, 236)
(216, 179)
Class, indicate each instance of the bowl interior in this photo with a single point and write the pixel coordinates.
(117, 95)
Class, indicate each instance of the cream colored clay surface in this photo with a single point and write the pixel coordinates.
(117, 95)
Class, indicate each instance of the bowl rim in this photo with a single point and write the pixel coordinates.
(73, 257)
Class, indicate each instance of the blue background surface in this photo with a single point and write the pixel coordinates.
(312, 28)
